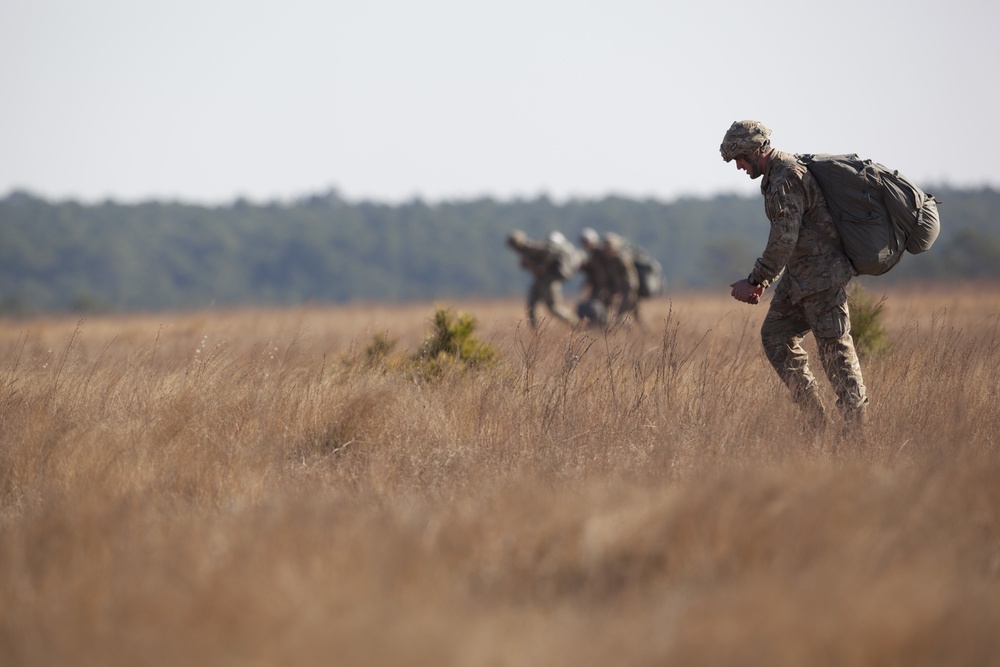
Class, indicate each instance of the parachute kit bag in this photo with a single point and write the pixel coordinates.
(593, 311)
(878, 211)
(567, 257)
(650, 275)
(650, 271)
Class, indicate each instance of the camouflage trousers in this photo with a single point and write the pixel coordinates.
(548, 291)
(824, 314)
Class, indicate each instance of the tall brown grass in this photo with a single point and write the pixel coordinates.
(252, 488)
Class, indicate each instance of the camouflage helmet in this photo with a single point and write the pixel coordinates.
(744, 138)
(589, 238)
(516, 238)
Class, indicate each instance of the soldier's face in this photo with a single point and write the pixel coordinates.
(749, 165)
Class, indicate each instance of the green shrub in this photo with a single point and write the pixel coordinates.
(452, 343)
(867, 328)
(377, 351)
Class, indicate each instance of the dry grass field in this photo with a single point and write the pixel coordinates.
(259, 487)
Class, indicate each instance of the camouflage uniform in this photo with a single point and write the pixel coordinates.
(805, 246)
(623, 279)
(595, 281)
(595, 275)
(542, 261)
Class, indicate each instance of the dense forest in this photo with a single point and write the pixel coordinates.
(60, 256)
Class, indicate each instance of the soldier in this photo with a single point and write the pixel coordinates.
(811, 296)
(596, 294)
(622, 277)
(548, 266)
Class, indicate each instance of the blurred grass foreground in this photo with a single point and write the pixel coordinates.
(265, 487)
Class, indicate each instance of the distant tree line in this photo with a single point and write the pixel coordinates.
(61, 256)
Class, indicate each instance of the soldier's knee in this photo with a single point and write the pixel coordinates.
(839, 353)
(775, 347)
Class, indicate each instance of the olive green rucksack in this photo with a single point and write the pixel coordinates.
(650, 272)
(877, 210)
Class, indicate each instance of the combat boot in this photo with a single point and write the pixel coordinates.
(855, 419)
(812, 409)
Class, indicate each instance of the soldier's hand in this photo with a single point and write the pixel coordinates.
(745, 292)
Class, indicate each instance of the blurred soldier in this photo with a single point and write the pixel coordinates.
(622, 278)
(593, 306)
(811, 295)
(548, 262)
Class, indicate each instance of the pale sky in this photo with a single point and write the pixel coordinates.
(205, 101)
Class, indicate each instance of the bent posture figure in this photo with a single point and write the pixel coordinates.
(811, 295)
(543, 260)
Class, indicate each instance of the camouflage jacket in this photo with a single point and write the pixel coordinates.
(622, 278)
(804, 240)
(595, 277)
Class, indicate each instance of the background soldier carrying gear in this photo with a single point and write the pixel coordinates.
(623, 280)
(550, 263)
(651, 282)
(811, 296)
(596, 292)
